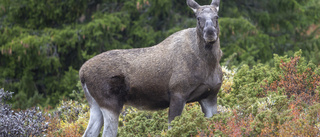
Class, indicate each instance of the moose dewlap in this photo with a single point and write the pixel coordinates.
(183, 68)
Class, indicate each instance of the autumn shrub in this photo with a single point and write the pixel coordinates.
(270, 101)
(293, 121)
(254, 101)
(242, 120)
(233, 125)
(53, 126)
(301, 123)
(297, 82)
(70, 118)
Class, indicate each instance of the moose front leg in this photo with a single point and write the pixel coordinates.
(209, 106)
(176, 106)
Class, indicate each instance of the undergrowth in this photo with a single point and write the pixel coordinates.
(260, 101)
(30, 122)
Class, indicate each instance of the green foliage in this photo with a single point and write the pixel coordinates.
(42, 52)
(70, 110)
(250, 84)
(189, 123)
(141, 123)
(280, 27)
(278, 111)
(246, 104)
(70, 118)
(37, 14)
(44, 43)
(247, 84)
(150, 123)
(48, 61)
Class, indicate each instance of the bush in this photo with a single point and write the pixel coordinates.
(142, 123)
(69, 119)
(297, 80)
(271, 101)
(252, 102)
(30, 122)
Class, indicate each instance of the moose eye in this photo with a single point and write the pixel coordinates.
(215, 18)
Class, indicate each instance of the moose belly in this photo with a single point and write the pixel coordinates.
(148, 98)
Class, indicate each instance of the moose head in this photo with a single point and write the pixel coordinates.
(207, 20)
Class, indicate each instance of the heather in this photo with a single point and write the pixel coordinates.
(270, 64)
(260, 101)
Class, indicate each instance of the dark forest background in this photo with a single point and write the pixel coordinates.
(43, 43)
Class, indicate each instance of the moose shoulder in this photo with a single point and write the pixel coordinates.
(183, 68)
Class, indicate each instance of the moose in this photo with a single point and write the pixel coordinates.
(182, 68)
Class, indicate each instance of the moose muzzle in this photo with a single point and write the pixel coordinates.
(210, 32)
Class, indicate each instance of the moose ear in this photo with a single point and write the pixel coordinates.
(193, 5)
(216, 4)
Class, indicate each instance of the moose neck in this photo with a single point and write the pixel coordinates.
(210, 52)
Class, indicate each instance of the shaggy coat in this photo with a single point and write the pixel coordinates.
(183, 68)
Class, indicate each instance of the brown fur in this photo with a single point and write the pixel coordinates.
(182, 68)
(150, 71)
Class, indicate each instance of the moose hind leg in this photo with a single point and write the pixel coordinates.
(96, 120)
(111, 120)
